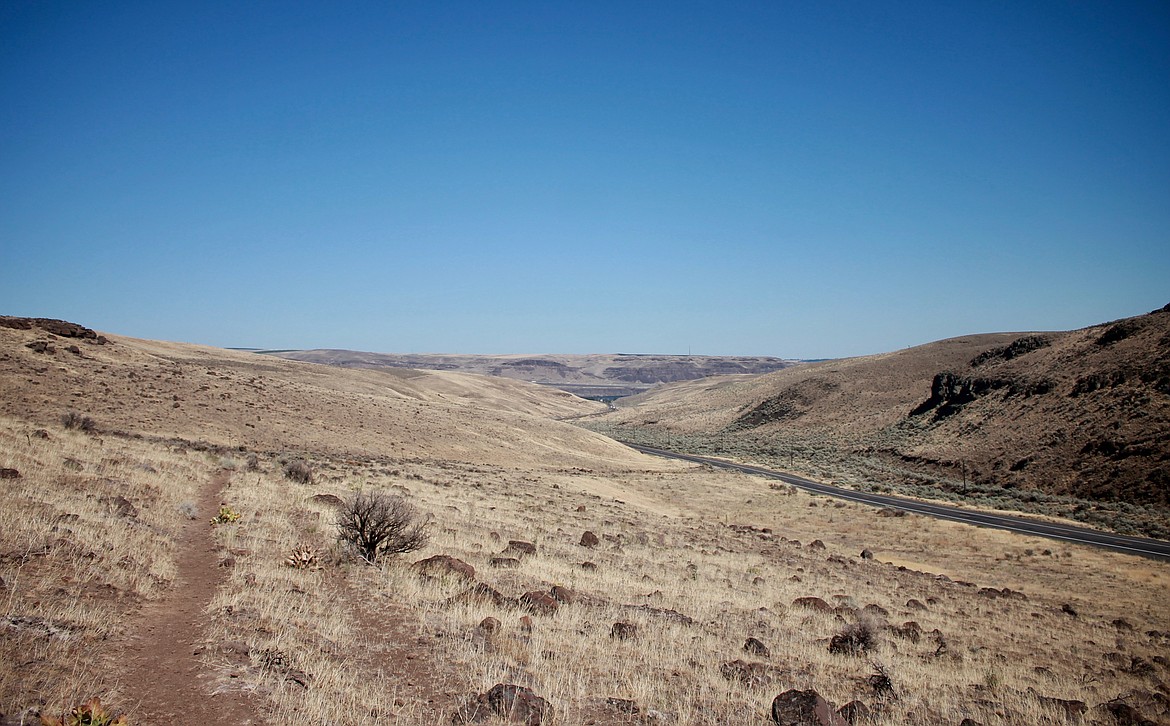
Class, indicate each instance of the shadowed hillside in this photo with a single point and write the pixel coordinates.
(1083, 414)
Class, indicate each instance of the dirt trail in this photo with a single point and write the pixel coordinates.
(163, 679)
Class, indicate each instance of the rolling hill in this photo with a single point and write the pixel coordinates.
(155, 489)
(1083, 414)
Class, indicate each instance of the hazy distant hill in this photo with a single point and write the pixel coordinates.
(1084, 413)
(583, 375)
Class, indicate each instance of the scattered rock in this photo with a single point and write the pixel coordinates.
(1124, 714)
(580, 507)
(520, 547)
(445, 566)
(876, 611)
(526, 623)
(755, 646)
(854, 712)
(654, 716)
(539, 602)
(753, 675)
(1071, 710)
(816, 544)
(913, 604)
(804, 708)
(9, 474)
(515, 704)
(331, 500)
(589, 539)
(757, 581)
(673, 616)
(123, 507)
(504, 562)
(1068, 610)
(489, 625)
(909, 630)
(1006, 593)
(483, 593)
(228, 562)
(563, 595)
(813, 603)
(623, 631)
(888, 512)
(39, 346)
(865, 555)
(624, 705)
(1122, 624)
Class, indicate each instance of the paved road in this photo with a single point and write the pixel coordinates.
(1144, 546)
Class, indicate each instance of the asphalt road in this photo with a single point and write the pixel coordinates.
(1144, 546)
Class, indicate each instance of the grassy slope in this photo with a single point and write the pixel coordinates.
(382, 643)
(1039, 441)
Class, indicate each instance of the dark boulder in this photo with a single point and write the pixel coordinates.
(520, 548)
(445, 566)
(515, 704)
(755, 646)
(539, 602)
(804, 708)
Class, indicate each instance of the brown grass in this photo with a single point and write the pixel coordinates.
(345, 643)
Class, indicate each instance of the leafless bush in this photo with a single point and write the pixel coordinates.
(77, 421)
(854, 639)
(298, 471)
(377, 523)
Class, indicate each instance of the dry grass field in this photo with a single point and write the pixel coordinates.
(93, 526)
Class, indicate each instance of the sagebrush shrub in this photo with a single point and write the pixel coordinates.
(377, 523)
(75, 421)
(298, 470)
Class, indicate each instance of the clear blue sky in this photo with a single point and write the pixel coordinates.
(801, 179)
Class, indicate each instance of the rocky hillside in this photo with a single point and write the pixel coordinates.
(1083, 413)
(584, 375)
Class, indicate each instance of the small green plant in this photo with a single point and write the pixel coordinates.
(92, 713)
(226, 516)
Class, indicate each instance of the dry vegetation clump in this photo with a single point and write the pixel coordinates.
(375, 524)
(73, 420)
(86, 535)
(298, 470)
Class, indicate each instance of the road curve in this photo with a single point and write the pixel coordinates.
(1143, 546)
